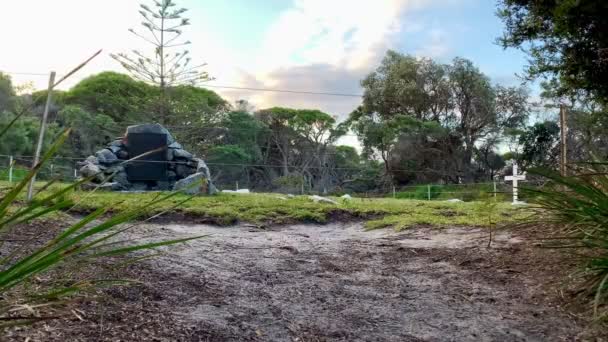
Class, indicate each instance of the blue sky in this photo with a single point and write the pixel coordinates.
(311, 45)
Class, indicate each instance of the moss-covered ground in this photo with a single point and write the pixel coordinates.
(225, 209)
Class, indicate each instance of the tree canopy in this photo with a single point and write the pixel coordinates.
(566, 41)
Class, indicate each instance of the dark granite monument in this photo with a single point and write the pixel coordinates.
(160, 164)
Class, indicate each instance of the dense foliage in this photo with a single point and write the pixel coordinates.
(566, 41)
(427, 121)
(420, 122)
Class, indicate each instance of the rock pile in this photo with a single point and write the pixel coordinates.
(184, 170)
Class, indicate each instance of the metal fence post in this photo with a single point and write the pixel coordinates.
(75, 174)
(428, 187)
(10, 169)
(494, 181)
(237, 186)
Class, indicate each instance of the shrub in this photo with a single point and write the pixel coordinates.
(579, 206)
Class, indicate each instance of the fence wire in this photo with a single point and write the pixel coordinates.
(67, 172)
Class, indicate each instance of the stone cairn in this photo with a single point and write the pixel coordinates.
(109, 173)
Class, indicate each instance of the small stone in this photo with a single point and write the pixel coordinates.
(202, 167)
(175, 144)
(122, 155)
(122, 178)
(111, 186)
(193, 185)
(92, 160)
(184, 171)
(317, 199)
(179, 153)
(114, 149)
(118, 143)
(106, 156)
(92, 170)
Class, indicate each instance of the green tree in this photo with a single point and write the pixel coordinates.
(7, 93)
(20, 139)
(457, 97)
(89, 131)
(474, 116)
(540, 145)
(115, 95)
(230, 164)
(163, 25)
(406, 85)
(566, 41)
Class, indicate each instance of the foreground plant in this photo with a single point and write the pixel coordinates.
(579, 204)
(78, 245)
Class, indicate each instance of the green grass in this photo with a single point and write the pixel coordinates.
(465, 192)
(262, 208)
(259, 208)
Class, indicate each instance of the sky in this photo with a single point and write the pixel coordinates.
(301, 45)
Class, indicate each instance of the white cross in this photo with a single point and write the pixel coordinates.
(515, 178)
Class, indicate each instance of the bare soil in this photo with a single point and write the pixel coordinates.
(332, 282)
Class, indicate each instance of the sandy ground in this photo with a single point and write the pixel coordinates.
(328, 283)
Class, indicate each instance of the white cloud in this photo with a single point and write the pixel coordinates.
(437, 45)
(325, 46)
(316, 45)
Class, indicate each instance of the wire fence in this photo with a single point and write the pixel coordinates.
(65, 169)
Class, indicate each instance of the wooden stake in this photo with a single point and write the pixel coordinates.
(52, 85)
(45, 114)
(10, 169)
(563, 160)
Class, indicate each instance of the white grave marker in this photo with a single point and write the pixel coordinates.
(515, 179)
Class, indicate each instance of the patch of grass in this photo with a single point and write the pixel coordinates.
(465, 192)
(261, 208)
(446, 214)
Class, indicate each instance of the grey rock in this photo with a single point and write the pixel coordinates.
(111, 186)
(171, 175)
(179, 153)
(175, 144)
(183, 171)
(317, 199)
(113, 169)
(89, 160)
(92, 160)
(150, 128)
(194, 184)
(163, 186)
(117, 143)
(122, 178)
(114, 149)
(92, 170)
(122, 155)
(202, 167)
(106, 156)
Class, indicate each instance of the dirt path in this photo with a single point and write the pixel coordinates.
(339, 283)
(327, 283)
